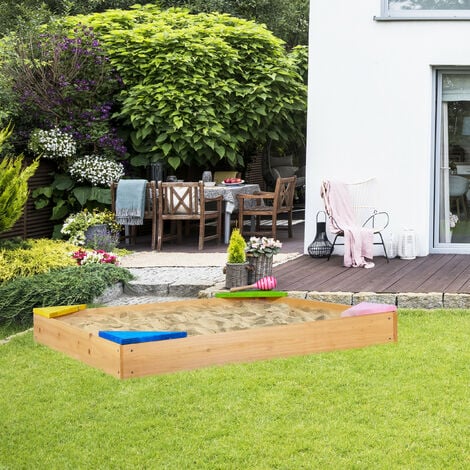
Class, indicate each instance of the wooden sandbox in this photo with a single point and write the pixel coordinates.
(283, 327)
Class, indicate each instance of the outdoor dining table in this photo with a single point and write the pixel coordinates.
(229, 193)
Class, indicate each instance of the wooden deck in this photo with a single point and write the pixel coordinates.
(433, 273)
(430, 274)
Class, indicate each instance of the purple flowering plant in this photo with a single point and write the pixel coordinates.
(65, 79)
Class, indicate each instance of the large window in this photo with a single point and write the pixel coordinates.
(426, 8)
(452, 177)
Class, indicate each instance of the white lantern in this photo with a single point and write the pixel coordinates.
(407, 244)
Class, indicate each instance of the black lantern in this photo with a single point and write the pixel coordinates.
(321, 246)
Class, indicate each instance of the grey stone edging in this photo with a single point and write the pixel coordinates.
(456, 301)
(428, 301)
(110, 293)
(431, 300)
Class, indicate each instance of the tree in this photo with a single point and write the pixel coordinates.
(22, 15)
(199, 88)
(288, 20)
(13, 185)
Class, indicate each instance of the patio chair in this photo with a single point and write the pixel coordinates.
(353, 215)
(149, 213)
(270, 205)
(185, 202)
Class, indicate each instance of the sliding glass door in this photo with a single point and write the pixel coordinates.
(452, 214)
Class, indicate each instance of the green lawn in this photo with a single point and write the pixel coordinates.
(403, 405)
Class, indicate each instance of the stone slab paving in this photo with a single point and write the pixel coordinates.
(141, 299)
(173, 282)
(159, 284)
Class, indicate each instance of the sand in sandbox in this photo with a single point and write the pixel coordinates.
(197, 319)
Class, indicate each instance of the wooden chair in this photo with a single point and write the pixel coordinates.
(178, 202)
(268, 205)
(150, 212)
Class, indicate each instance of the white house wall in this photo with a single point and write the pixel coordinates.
(371, 105)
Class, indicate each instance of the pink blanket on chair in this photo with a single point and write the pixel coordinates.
(358, 241)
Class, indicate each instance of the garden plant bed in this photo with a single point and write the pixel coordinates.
(220, 331)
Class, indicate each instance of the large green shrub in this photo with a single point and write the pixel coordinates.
(199, 88)
(68, 286)
(286, 19)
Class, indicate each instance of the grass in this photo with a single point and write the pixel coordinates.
(11, 329)
(402, 405)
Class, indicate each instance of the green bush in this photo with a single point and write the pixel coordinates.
(68, 286)
(76, 225)
(288, 20)
(14, 190)
(30, 257)
(236, 248)
(199, 88)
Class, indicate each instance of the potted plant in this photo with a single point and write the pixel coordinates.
(236, 269)
(96, 229)
(260, 251)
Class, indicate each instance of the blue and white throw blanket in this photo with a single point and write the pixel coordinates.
(130, 202)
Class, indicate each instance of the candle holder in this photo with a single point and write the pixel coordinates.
(321, 246)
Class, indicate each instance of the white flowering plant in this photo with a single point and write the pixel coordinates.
(453, 219)
(97, 170)
(257, 246)
(76, 225)
(52, 144)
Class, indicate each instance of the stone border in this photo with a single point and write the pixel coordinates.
(9, 338)
(428, 301)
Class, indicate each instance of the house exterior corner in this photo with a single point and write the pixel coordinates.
(374, 110)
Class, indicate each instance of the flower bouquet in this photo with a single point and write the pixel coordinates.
(260, 251)
(95, 256)
(258, 246)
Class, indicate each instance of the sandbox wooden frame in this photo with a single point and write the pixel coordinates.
(160, 357)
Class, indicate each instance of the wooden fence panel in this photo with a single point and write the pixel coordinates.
(34, 223)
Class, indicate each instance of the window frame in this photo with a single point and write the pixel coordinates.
(436, 245)
(422, 14)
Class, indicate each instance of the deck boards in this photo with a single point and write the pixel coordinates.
(433, 273)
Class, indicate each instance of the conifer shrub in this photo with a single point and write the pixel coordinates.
(67, 286)
(33, 256)
(236, 248)
(14, 190)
